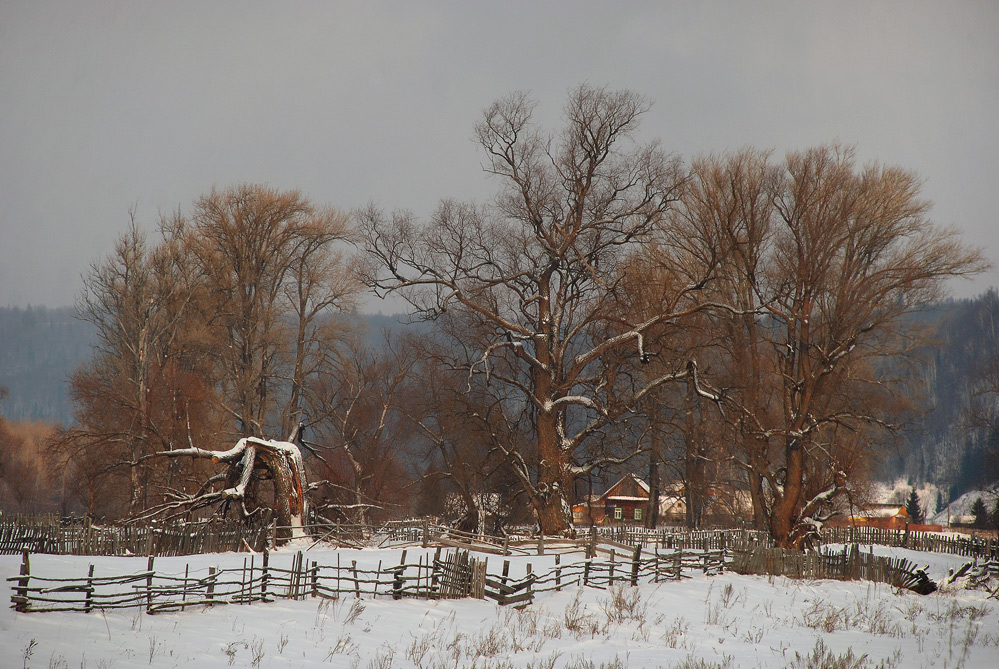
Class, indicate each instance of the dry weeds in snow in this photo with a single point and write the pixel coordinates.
(719, 622)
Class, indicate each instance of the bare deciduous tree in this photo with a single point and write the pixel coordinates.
(361, 433)
(538, 270)
(137, 394)
(222, 319)
(820, 261)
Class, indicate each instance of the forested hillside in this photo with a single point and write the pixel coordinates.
(39, 348)
(954, 442)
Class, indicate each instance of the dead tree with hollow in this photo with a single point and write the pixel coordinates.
(246, 464)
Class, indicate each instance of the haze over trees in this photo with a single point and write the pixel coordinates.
(741, 321)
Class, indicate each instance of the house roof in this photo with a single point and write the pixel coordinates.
(628, 488)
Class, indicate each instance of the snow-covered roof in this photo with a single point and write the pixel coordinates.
(883, 511)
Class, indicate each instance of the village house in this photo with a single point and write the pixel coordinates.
(627, 503)
(883, 516)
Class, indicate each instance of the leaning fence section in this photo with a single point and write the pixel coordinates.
(849, 564)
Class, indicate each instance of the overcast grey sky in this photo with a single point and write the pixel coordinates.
(107, 104)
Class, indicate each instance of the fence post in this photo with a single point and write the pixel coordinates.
(397, 582)
(634, 565)
(506, 573)
(88, 603)
(20, 600)
(434, 576)
(315, 579)
(210, 590)
(357, 583)
(558, 572)
(541, 543)
(183, 593)
(263, 576)
(149, 584)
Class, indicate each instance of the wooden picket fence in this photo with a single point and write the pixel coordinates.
(968, 546)
(850, 564)
(47, 534)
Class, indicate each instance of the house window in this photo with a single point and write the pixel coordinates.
(638, 513)
(618, 513)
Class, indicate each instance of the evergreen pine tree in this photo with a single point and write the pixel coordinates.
(914, 508)
(995, 516)
(980, 513)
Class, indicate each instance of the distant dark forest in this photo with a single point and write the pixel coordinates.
(945, 441)
(954, 441)
(39, 349)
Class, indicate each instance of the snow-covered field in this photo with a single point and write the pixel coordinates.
(701, 622)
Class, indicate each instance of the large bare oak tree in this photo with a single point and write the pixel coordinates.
(537, 272)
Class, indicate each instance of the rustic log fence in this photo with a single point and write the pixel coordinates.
(455, 574)
(45, 534)
(259, 579)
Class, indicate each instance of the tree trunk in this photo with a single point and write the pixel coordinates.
(786, 509)
(652, 516)
(554, 481)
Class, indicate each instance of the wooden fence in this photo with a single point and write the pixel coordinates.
(850, 564)
(455, 574)
(45, 534)
(970, 546)
(258, 580)
(48, 535)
